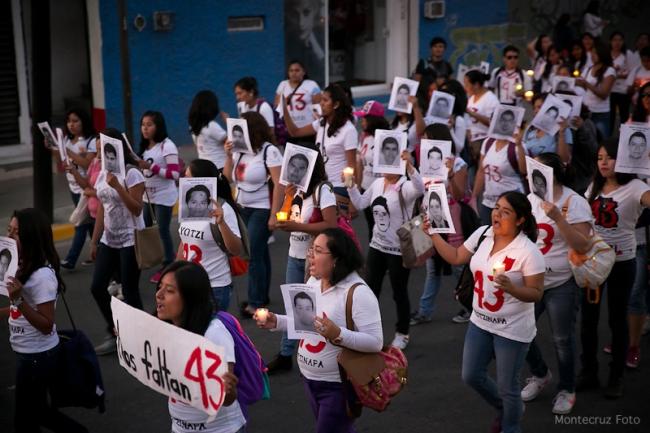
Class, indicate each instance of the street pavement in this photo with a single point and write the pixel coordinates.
(435, 399)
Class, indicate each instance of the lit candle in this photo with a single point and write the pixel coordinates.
(519, 87)
(529, 95)
(348, 172)
(576, 73)
(261, 314)
(498, 269)
(530, 72)
(281, 216)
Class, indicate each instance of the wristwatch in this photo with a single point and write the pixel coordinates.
(16, 302)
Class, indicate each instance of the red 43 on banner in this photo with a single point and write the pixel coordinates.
(172, 361)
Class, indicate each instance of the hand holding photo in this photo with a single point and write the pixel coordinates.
(505, 121)
(633, 151)
(540, 179)
(112, 156)
(8, 262)
(441, 107)
(301, 305)
(563, 84)
(433, 154)
(574, 102)
(297, 166)
(388, 148)
(238, 135)
(62, 152)
(550, 114)
(436, 207)
(50, 139)
(399, 97)
(195, 198)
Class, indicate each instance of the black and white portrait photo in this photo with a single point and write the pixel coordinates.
(574, 102)
(112, 156)
(563, 84)
(433, 157)
(399, 97)
(551, 113)
(388, 148)
(505, 121)
(304, 36)
(195, 195)
(436, 207)
(540, 179)
(441, 106)
(297, 166)
(633, 150)
(237, 130)
(50, 139)
(8, 262)
(301, 305)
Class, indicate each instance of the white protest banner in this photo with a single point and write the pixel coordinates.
(170, 360)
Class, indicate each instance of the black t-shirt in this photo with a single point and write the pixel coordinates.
(435, 69)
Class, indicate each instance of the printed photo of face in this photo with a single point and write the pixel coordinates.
(562, 86)
(506, 123)
(238, 141)
(381, 214)
(435, 159)
(637, 146)
(297, 167)
(197, 199)
(389, 151)
(303, 312)
(539, 184)
(294, 214)
(436, 215)
(5, 259)
(110, 158)
(402, 97)
(441, 108)
(551, 115)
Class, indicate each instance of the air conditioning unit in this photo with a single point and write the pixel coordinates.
(434, 9)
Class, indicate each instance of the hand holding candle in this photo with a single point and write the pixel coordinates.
(261, 314)
(519, 87)
(530, 72)
(576, 73)
(348, 175)
(529, 95)
(281, 216)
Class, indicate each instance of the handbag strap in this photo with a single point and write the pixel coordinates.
(67, 310)
(349, 323)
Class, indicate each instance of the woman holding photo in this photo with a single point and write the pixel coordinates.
(537, 141)
(480, 106)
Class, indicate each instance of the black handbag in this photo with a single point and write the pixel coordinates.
(464, 291)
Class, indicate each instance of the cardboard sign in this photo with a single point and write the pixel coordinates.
(170, 360)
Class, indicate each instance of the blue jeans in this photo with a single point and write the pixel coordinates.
(562, 305)
(221, 296)
(637, 304)
(80, 233)
(259, 268)
(431, 288)
(602, 121)
(164, 219)
(504, 394)
(295, 275)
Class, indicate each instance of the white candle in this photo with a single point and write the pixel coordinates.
(281, 216)
(498, 269)
(348, 172)
(519, 87)
(530, 72)
(261, 314)
(529, 95)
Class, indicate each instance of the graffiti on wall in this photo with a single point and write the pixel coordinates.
(475, 44)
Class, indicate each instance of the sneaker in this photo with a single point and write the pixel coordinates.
(563, 402)
(279, 364)
(400, 341)
(419, 319)
(461, 317)
(115, 289)
(155, 278)
(633, 357)
(271, 240)
(66, 265)
(608, 349)
(535, 385)
(88, 262)
(614, 389)
(107, 347)
(587, 380)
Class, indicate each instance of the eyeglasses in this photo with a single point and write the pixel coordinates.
(511, 57)
(312, 251)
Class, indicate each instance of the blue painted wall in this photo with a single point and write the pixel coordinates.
(168, 68)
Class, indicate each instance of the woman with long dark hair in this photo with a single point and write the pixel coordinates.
(159, 160)
(457, 122)
(480, 106)
(619, 99)
(578, 59)
(183, 298)
(598, 82)
(207, 134)
(508, 273)
(248, 99)
(616, 200)
(32, 329)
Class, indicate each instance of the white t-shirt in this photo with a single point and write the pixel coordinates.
(41, 287)
(333, 148)
(387, 221)
(550, 241)
(624, 66)
(301, 212)
(209, 143)
(119, 222)
(265, 110)
(484, 106)
(161, 190)
(82, 145)
(494, 310)
(300, 108)
(366, 152)
(251, 177)
(317, 358)
(199, 246)
(229, 419)
(500, 176)
(504, 84)
(616, 214)
(591, 100)
(593, 25)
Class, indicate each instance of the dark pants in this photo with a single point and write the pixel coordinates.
(164, 219)
(618, 287)
(328, 402)
(259, 268)
(80, 233)
(109, 259)
(622, 102)
(378, 263)
(34, 377)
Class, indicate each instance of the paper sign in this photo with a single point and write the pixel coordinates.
(433, 157)
(195, 195)
(297, 166)
(399, 97)
(436, 207)
(550, 114)
(8, 262)
(50, 138)
(563, 84)
(112, 156)
(505, 121)
(441, 106)
(238, 135)
(301, 304)
(633, 151)
(540, 179)
(388, 149)
(170, 360)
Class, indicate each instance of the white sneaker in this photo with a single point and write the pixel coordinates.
(400, 341)
(563, 402)
(115, 289)
(271, 240)
(535, 385)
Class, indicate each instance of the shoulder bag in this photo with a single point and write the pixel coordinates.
(415, 245)
(148, 246)
(464, 291)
